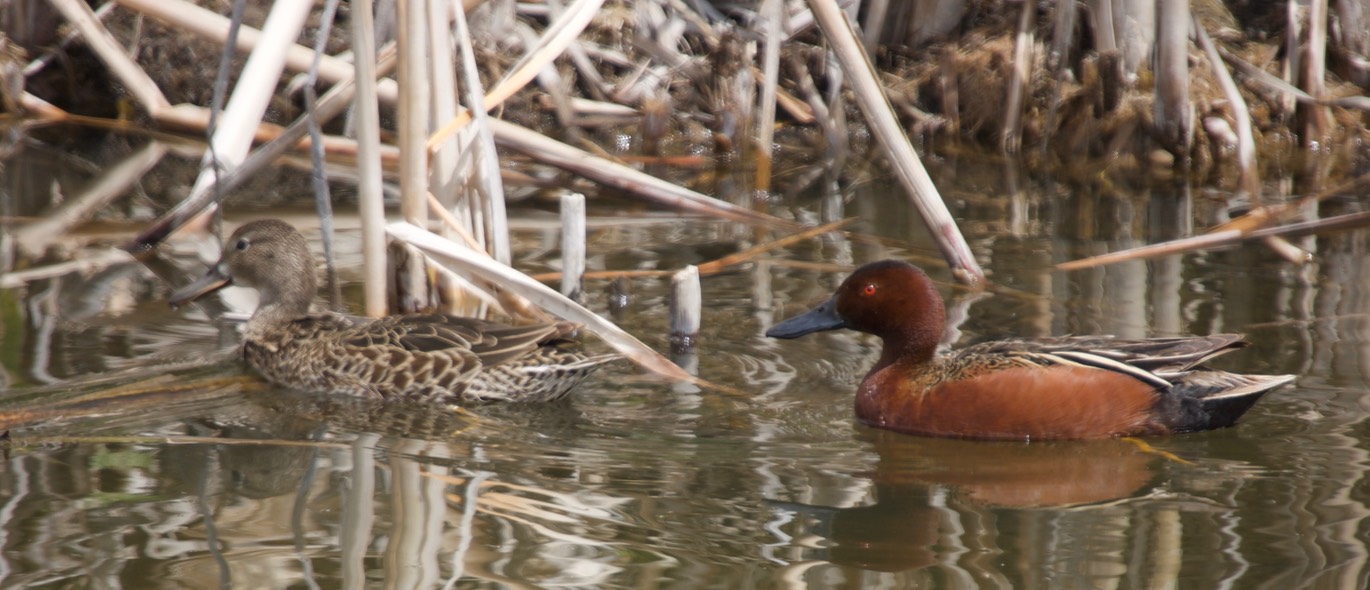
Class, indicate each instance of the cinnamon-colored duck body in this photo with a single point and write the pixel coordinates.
(1075, 387)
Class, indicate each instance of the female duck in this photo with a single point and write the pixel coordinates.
(419, 357)
(1057, 388)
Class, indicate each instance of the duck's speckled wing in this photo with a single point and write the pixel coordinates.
(490, 342)
(418, 357)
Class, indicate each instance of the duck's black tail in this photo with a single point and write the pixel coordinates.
(1216, 399)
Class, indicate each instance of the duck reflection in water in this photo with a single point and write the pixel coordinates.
(924, 489)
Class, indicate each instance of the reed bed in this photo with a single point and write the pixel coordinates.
(483, 91)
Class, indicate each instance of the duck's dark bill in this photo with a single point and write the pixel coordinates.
(818, 319)
(211, 282)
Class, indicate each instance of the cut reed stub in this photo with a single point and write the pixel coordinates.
(572, 245)
(687, 304)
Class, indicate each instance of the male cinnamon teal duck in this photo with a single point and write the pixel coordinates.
(417, 357)
(1075, 387)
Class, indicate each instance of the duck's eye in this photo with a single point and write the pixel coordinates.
(868, 290)
(241, 245)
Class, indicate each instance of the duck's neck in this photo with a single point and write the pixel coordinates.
(914, 342)
(280, 307)
(915, 351)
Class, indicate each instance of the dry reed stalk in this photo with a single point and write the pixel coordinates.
(553, 42)
(98, 260)
(330, 105)
(370, 197)
(876, 13)
(1248, 173)
(550, 151)
(482, 266)
(214, 27)
(412, 126)
(773, 14)
(489, 183)
(1318, 123)
(887, 130)
(1258, 75)
(1174, 108)
(255, 85)
(1223, 238)
(1011, 136)
(443, 178)
(510, 302)
(104, 45)
(1249, 181)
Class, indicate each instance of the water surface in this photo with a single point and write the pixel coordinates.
(142, 455)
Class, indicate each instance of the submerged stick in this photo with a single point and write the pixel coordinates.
(716, 265)
(112, 182)
(887, 130)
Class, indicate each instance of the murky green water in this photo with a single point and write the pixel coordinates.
(138, 460)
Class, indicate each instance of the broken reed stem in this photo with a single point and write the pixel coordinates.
(572, 245)
(687, 308)
(487, 173)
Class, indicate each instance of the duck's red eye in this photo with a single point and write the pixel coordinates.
(868, 290)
